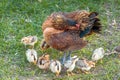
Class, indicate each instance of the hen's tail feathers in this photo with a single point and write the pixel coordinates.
(95, 22)
(44, 45)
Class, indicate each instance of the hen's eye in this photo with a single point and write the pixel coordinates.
(85, 20)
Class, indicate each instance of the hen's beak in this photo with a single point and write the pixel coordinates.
(78, 26)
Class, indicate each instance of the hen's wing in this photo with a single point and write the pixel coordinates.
(59, 20)
(64, 40)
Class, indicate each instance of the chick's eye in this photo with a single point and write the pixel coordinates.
(23, 40)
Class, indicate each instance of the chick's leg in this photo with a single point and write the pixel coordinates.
(57, 74)
(68, 74)
(72, 73)
(86, 72)
(35, 62)
(32, 46)
(79, 71)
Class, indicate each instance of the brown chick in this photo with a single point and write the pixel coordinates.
(85, 65)
(44, 45)
(43, 62)
(65, 31)
(29, 40)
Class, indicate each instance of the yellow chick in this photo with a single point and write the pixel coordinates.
(31, 55)
(85, 65)
(70, 65)
(98, 54)
(43, 62)
(55, 67)
(29, 40)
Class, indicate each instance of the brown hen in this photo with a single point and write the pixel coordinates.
(65, 31)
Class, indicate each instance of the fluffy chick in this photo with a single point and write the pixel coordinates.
(55, 67)
(85, 65)
(98, 54)
(43, 62)
(31, 55)
(44, 45)
(29, 40)
(70, 65)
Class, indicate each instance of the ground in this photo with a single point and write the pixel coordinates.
(25, 17)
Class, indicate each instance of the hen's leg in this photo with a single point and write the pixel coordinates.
(63, 59)
(69, 55)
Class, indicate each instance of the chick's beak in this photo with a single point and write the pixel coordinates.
(35, 62)
(94, 65)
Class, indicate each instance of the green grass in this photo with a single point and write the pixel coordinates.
(13, 13)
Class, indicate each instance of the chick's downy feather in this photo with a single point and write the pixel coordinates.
(98, 54)
(31, 55)
(55, 66)
(85, 65)
(29, 40)
(43, 61)
(70, 64)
